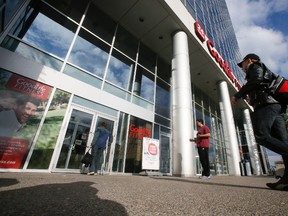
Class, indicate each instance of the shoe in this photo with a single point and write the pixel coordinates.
(90, 173)
(205, 177)
(280, 185)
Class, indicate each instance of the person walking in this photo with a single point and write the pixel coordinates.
(99, 144)
(268, 115)
(203, 142)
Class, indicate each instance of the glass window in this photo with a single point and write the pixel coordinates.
(162, 102)
(138, 129)
(120, 70)
(31, 53)
(126, 43)
(144, 84)
(120, 143)
(162, 121)
(7, 11)
(156, 134)
(50, 130)
(54, 39)
(198, 113)
(90, 53)
(72, 8)
(165, 154)
(99, 23)
(198, 95)
(147, 58)
(45, 30)
(163, 70)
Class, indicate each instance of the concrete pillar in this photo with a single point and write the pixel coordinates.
(251, 142)
(183, 158)
(232, 150)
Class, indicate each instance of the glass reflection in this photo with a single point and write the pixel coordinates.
(162, 102)
(72, 8)
(90, 54)
(120, 71)
(48, 35)
(99, 23)
(144, 84)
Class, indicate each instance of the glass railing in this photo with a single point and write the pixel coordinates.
(117, 91)
(143, 103)
(83, 76)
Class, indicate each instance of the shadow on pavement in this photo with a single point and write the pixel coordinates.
(77, 198)
(4, 182)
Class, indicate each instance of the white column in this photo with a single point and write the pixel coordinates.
(251, 142)
(183, 157)
(232, 150)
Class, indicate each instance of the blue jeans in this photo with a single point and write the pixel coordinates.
(270, 130)
(97, 154)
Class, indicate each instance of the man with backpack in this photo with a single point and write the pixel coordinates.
(268, 116)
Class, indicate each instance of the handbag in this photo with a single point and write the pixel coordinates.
(87, 158)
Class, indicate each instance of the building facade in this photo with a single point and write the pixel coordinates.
(147, 68)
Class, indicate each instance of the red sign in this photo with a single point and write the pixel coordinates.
(152, 149)
(12, 151)
(29, 87)
(214, 53)
(138, 133)
(200, 32)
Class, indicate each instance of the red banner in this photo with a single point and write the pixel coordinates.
(28, 87)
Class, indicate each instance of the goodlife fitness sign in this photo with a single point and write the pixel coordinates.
(214, 53)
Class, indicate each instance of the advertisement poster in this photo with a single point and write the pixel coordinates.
(22, 103)
(150, 154)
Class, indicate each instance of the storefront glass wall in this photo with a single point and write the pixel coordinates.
(208, 110)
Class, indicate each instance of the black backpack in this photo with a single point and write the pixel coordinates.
(275, 85)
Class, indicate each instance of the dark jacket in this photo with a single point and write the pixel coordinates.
(258, 77)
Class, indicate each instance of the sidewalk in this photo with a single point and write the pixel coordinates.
(36, 194)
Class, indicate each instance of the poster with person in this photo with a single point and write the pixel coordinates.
(22, 103)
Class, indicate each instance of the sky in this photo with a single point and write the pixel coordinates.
(261, 28)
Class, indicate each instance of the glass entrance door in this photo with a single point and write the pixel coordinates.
(107, 157)
(79, 134)
(76, 140)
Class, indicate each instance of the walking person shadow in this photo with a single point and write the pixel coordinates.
(77, 198)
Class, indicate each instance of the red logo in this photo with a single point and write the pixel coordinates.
(200, 32)
(152, 149)
(214, 53)
(139, 133)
